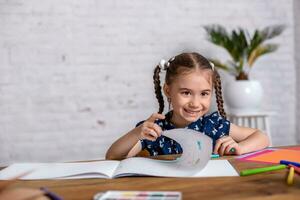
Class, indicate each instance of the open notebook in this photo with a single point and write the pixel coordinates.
(194, 162)
(113, 169)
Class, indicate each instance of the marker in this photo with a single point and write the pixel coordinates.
(286, 162)
(296, 169)
(290, 177)
(214, 156)
(261, 170)
(50, 194)
(232, 150)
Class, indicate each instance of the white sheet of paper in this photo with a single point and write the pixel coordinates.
(217, 168)
(59, 170)
(196, 146)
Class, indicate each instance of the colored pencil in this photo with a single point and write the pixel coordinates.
(261, 170)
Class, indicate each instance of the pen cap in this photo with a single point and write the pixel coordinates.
(196, 146)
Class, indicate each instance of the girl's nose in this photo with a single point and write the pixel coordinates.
(194, 103)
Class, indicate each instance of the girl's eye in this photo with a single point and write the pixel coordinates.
(186, 93)
(204, 93)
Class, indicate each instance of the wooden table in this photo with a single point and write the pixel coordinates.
(266, 186)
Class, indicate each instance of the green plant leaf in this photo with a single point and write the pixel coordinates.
(243, 48)
(272, 31)
(220, 65)
(261, 50)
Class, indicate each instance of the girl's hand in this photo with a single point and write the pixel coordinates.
(150, 130)
(225, 144)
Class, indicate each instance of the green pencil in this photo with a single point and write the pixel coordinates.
(261, 170)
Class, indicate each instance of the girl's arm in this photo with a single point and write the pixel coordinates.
(120, 148)
(129, 144)
(242, 139)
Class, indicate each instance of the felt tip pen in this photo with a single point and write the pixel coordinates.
(214, 156)
(50, 194)
(232, 150)
(287, 162)
(290, 176)
(261, 170)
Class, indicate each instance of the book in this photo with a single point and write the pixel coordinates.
(109, 169)
(197, 149)
(274, 156)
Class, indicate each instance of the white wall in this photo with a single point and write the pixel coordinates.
(297, 59)
(76, 75)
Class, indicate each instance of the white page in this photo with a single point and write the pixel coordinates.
(151, 167)
(196, 146)
(216, 168)
(197, 149)
(95, 169)
(145, 166)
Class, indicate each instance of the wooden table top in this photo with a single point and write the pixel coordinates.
(267, 186)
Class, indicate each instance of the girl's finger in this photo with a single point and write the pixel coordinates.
(155, 116)
(229, 147)
(149, 125)
(153, 126)
(157, 129)
(150, 134)
(219, 143)
(145, 133)
(224, 146)
(148, 137)
(153, 133)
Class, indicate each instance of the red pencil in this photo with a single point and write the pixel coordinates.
(297, 169)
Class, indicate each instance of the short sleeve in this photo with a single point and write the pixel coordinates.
(216, 126)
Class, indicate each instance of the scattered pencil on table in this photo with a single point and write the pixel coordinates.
(290, 176)
(287, 162)
(261, 170)
(50, 194)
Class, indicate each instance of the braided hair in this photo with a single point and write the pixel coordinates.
(185, 62)
(157, 89)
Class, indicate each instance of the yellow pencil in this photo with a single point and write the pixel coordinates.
(290, 177)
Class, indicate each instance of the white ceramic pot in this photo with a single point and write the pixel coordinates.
(243, 96)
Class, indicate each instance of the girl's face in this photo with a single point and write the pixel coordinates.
(190, 95)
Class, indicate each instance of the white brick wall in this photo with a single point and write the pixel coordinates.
(76, 75)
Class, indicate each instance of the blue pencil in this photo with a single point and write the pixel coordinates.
(286, 162)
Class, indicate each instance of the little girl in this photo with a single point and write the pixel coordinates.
(189, 82)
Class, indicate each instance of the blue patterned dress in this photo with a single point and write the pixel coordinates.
(212, 125)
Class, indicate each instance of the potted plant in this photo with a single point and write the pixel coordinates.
(244, 49)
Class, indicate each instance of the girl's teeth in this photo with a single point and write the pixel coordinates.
(193, 112)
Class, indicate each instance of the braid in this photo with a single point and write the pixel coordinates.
(218, 91)
(157, 88)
